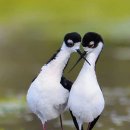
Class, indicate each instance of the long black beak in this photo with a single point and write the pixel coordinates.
(80, 58)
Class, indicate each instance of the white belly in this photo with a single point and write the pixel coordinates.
(46, 98)
(85, 102)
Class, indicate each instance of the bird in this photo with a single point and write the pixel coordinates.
(86, 100)
(48, 93)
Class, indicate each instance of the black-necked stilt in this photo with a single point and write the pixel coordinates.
(86, 100)
(48, 94)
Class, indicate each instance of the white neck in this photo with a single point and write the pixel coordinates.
(58, 64)
(92, 56)
(87, 74)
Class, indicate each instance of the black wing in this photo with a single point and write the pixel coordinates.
(67, 84)
(92, 124)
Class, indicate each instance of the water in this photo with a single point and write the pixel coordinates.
(20, 63)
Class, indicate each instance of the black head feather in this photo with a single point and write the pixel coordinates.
(71, 38)
(91, 40)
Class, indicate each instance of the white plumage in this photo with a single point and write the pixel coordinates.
(46, 97)
(86, 100)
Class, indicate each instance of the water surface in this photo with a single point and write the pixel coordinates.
(20, 63)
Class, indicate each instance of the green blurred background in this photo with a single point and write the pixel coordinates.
(31, 31)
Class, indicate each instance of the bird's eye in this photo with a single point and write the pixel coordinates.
(91, 44)
(70, 43)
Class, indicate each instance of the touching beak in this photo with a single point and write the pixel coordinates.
(80, 58)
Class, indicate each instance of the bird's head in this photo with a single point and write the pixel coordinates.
(72, 42)
(92, 42)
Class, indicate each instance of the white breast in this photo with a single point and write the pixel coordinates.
(86, 99)
(46, 96)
